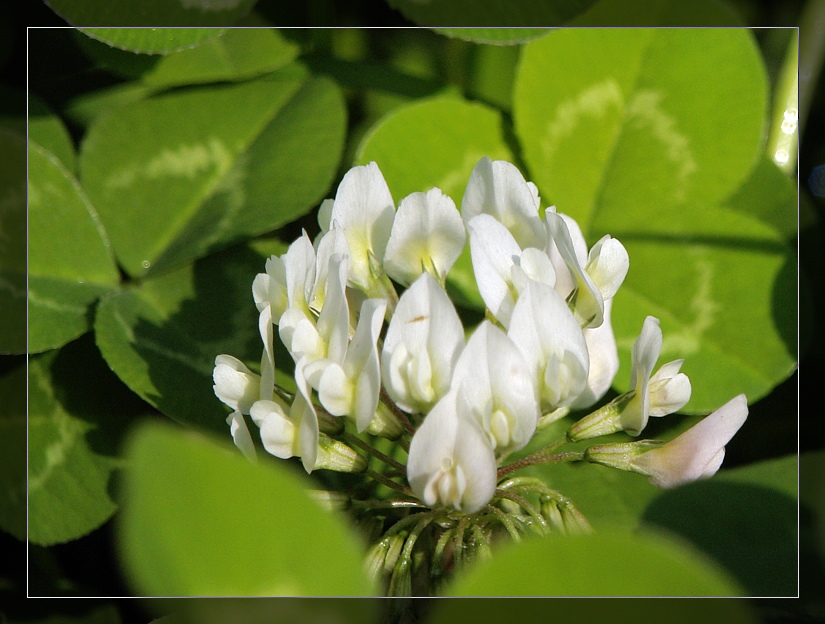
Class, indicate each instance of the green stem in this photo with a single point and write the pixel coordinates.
(389, 482)
(397, 412)
(388, 504)
(526, 506)
(506, 522)
(540, 458)
(356, 441)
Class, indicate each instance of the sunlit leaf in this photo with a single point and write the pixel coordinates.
(724, 287)
(162, 338)
(144, 40)
(611, 120)
(199, 519)
(236, 55)
(70, 264)
(600, 564)
(179, 176)
(436, 143)
(618, 137)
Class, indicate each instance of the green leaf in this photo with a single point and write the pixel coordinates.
(745, 518)
(77, 411)
(619, 137)
(199, 519)
(239, 54)
(179, 176)
(724, 288)
(658, 13)
(770, 196)
(47, 130)
(146, 40)
(13, 269)
(162, 337)
(13, 447)
(436, 143)
(600, 564)
(70, 265)
(611, 120)
(498, 15)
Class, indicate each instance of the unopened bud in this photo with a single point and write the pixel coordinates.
(550, 511)
(619, 456)
(604, 421)
(574, 521)
(337, 456)
(385, 424)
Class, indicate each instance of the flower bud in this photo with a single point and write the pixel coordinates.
(619, 456)
(337, 456)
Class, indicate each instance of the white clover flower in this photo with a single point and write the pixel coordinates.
(307, 339)
(234, 384)
(427, 235)
(497, 188)
(288, 280)
(553, 344)
(663, 393)
(451, 462)
(607, 265)
(586, 299)
(501, 268)
(364, 210)
(350, 385)
(698, 452)
(423, 342)
(495, 387)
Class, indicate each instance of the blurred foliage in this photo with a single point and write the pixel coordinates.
(333, 98)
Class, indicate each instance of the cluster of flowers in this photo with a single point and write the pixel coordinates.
(457, 405)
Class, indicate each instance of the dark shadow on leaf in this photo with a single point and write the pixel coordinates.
(749, 530)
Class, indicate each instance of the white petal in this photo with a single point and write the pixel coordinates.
(300, 336)
(699, 451)
(270, 288)
(425, 325)
(669, 389)
(361, 365)
(451, 462)
(588, 303)
(607, 265)
(497, 188)
(235, 385)
(267, 332)
(494, 251)
(333, 243)
(552, 343)
(604, 360)
(335, 390)
(427, 234)
(494, 382)
(278, 432)
(240, 435)
(303, 414)
(364, 210)
(333, 322)
(299, 268)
